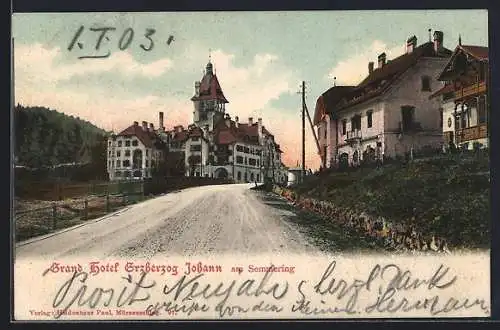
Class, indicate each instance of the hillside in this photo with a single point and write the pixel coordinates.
(448, 196)
(45, 137)
(48, 143)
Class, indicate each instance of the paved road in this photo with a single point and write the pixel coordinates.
(196, 221)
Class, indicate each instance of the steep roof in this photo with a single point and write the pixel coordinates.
(244, 132)
(146, 137)
(210, 88)
(480, 53)
(327, 101)
(378, 81)
(445, 89)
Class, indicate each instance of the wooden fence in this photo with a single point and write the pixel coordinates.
(56, 206)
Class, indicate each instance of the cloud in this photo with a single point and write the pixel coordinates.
(250, 88)
(36, 64)
(354, 69)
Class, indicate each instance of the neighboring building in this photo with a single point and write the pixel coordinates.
(134, 152)
(389, 113)
(464, 97)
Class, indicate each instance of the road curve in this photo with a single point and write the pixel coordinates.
(222, 219)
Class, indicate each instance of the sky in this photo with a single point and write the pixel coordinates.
(260, 58)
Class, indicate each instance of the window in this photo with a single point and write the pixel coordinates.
(127, 143)
(369, 119)
(120, 143)
(239, 148)
(195, 138)
(440, 117)
(245, 160)
(426, 84)
(481, 110)
(407, 114)
(239, 160)
(117, 163)
(126, 163)
(118, 153)
(147, 152)
(239, 176)
(195, 147)
(344, 127)
(127, 153)
(147, 163)
(252, 161)
(118, 174)
(135, 143)
(246, 150)
(258, 178)
(355, 123)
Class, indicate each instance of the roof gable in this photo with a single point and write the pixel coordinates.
(480, 53)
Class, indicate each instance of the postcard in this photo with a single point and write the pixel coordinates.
(251, 165)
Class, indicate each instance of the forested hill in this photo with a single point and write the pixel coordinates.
(45, 137)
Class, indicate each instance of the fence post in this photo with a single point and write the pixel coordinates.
(85, 210)
(54, 216)
(59, 191)
(107, 202)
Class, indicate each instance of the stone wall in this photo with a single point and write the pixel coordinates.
(393, 235)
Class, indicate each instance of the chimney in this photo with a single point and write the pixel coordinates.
(259, 125)
(160, 121)
(250, 121)
(237, 121)
(370, 67)
(151, 127)
(411, 43)
(144, 126)
(381, 60)
(136, 123)
(438, 40)
(197, 85)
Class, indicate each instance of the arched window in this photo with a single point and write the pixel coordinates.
(239, 176)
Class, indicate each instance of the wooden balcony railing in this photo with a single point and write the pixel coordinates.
(472, 90)
(471, 133)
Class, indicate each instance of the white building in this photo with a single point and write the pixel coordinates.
(134, 152)
(389, 113)
(220, 147)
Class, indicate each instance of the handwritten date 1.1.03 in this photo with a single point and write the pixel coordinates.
(124, 41)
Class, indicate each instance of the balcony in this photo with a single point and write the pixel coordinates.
(471, 133)
(472, 90)
(353, 136)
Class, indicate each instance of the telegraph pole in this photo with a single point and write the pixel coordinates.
(303, 130)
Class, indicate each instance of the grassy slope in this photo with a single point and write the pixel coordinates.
(448, 196)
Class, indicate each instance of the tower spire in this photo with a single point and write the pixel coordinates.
(210, 55)
(460, 39)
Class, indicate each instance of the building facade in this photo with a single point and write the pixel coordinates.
(214, 145)
(464, 98)
(134, 152)
(389, 113)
